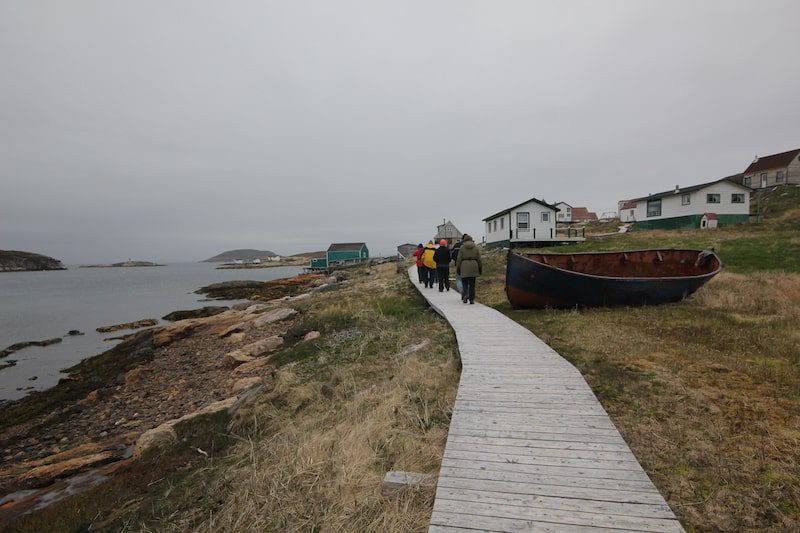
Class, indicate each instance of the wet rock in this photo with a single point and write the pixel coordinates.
(209, 310)
(144, 323)
(20, 345)
(74, 332)
(33, 378)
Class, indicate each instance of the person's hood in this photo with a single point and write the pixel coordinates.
(468, 244)
(430, 247)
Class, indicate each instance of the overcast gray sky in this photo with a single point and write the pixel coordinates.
(173, 130)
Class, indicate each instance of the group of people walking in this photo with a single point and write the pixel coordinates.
(433, 265)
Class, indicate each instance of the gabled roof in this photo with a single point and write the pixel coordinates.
(504, 211)
(346, 246)
(711, 216)
(565, 203)
(582, 213)
(772, 161)
(628, 205)
(732, 179)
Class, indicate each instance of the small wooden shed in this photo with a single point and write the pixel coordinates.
(709, 220)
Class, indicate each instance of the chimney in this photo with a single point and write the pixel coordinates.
(755, 159)
(677, 189)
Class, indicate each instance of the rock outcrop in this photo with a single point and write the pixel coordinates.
(16, 261)
(144, 323)
(246, 254)
(209, 310)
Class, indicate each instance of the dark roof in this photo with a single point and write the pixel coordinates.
(772, 161)
(346, 246)
(504, 211)
(693, 188)
(628, 205)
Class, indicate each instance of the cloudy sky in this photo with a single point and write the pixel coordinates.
(173, 130)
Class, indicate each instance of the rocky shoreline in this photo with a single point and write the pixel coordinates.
(137, 396)
(16, 261)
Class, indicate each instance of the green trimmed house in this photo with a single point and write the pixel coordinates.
(341, 254)
(723, 200)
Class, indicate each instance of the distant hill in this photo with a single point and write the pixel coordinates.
(15, 261)
(241, 255)
(314, 255)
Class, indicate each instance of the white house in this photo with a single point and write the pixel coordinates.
(526, 224)
(683, 208)
(564, 212)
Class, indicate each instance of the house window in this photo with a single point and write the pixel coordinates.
(748, 181)
(686, 199)
(764, 179)
(632, 213)
(779, 177)
(737, 198)
(712, 198)
(501, 222)
(523, 221)
(488, 227)
(494, 228)
(545, 217)
(654, 208)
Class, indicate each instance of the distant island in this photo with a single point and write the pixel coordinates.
(125, 264)
(16, 261)
(245, 254)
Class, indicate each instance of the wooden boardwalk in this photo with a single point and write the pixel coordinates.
(530, 448)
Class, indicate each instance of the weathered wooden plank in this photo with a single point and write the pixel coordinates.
(599, 493)
(544, 469)
(601, 465)
(572, 518)
(540, 443)
(443, 522)
(649, 510)
(463, 429)
(623, 455)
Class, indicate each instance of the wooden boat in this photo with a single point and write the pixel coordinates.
(597, 279)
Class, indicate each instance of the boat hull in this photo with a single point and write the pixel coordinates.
(537, 284)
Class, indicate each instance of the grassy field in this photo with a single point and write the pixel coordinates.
(707, 391)
(374, 393)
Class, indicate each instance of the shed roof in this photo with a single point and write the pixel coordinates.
(732, 179)
(504, 211)
(772, 161)
(582, 213)
(711, 216)
(346, 246)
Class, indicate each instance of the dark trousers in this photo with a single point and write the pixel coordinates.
(429, 276)
(421, 274)
(443, 273)
(469, 289)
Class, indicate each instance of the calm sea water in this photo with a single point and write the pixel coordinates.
(43, 305)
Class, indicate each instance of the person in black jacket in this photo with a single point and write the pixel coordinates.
(442, 258)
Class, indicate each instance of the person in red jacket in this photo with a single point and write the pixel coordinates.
(420, 266)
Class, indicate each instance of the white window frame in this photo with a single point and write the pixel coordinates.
(748, 181)
(712, 196)
(494, 225)
(545, 216)
(502, 220)
(779, 176)
(686, 198)
(736, 195)
(652, 213)
(526, 225)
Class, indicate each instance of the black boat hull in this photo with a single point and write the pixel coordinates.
(534, 284)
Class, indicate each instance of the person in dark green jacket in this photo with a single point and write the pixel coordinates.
(469, 267)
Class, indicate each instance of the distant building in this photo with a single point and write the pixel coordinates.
(527, 224)
(771, 170)
(684, 208)
(581, 214)
(341, 254)
(564, 213)
(406, 249)
(709, 220)
(447, 231)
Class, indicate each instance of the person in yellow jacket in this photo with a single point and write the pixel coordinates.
(430, 264)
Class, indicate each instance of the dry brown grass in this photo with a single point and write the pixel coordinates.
(310, 459)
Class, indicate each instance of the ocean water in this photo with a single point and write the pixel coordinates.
(43, 305)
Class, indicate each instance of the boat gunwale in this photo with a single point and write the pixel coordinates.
(620, 278)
